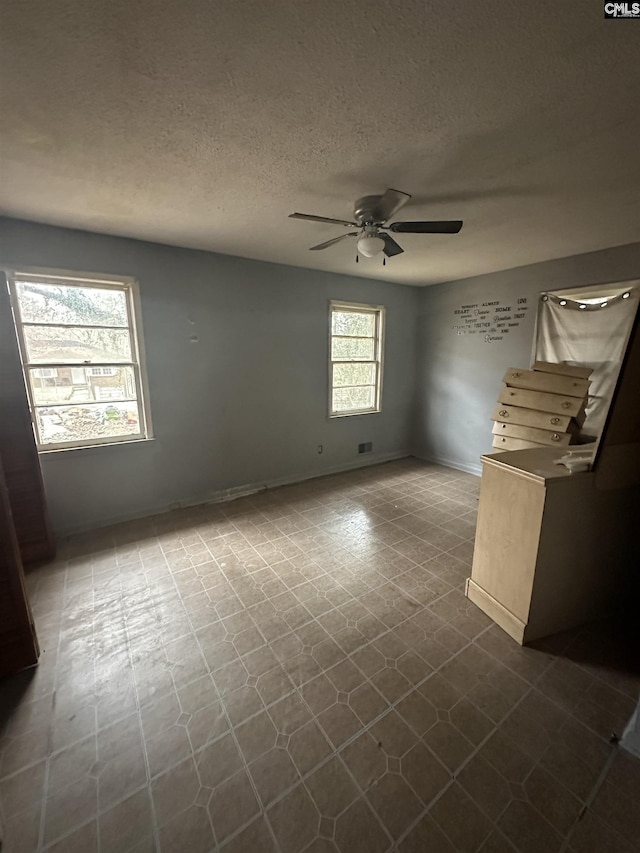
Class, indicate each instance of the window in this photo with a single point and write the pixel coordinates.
(355, 358)
(103, 371)
(81, 354)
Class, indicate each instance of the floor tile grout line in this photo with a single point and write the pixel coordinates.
(231, 730)
(599, 781)
(334, 753)
(407, 534)
(464, 763)
(613, 752)
(569, 711)
(392, 707)
(148, 777)
(582, 800)
(45, 790)
(145, 786)
(384, 633)
(66, 835)
(156, 828)
(595, 676)
(337, 750)
(389, 628)
(316, 620)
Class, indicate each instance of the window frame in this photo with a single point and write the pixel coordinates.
(125, 284)
(378, 312)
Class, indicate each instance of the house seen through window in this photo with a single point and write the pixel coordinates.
(355, 358)
(81, 355)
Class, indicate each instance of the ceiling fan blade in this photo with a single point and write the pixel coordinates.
(391, 248)
(322, 219)
(331, 242)
(443, 227)
(389, 204)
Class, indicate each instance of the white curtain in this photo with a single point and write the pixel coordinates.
(592, 334)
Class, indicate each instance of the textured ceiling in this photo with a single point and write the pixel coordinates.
(203, 123)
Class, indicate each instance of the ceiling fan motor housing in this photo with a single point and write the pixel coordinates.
(364, 211)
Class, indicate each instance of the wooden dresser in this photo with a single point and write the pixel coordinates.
(552, 550)
(555, 549)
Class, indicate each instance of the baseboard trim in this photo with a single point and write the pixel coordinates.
(496, 611)
(457, 464)
(224, 495)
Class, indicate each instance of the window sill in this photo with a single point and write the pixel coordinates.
(55, 450)
(355, 414)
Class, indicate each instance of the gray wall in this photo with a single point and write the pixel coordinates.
(244, 406)
(459, 377)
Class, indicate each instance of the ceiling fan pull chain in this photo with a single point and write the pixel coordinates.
(384, 262)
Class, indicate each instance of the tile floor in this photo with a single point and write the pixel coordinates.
(300, 671)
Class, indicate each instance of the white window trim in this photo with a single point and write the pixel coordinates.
(357, 308)
(131, 290)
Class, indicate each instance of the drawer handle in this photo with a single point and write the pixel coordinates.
(516, 375)
(554, 421)
(505, 414)
(566, 405)
(555, 437)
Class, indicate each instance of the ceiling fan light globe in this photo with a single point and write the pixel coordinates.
(369, 247)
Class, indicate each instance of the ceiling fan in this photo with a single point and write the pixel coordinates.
(370, 213)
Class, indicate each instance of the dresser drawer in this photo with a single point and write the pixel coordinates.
(554, 403)
(532, 418)
(504, 442)
(551, 383)
(542, 436)
(564, 369)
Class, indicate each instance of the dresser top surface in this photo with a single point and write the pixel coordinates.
(535, 464)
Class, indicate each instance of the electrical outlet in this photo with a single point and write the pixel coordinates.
(366, 447)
